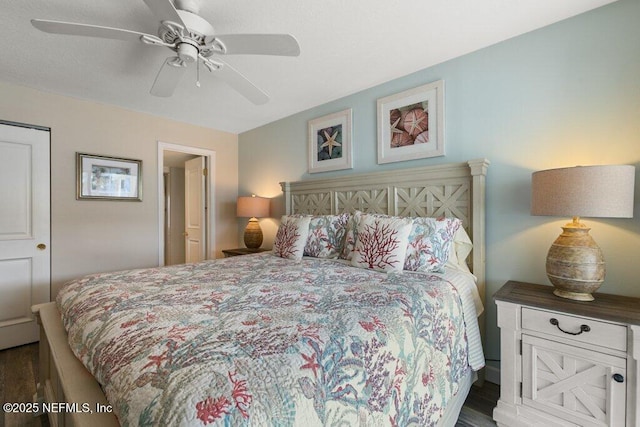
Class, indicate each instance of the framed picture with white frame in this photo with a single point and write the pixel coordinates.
(330, 142)
(411, 124)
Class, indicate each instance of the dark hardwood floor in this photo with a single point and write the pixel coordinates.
(481, 400)
(19, 370)
(18, 373)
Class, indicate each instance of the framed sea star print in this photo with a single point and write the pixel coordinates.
(330, 142)
(411, 124)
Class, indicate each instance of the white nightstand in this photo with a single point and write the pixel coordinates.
(565, 362)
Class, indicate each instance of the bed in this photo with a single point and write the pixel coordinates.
(266, 340)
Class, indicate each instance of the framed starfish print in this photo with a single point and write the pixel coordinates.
(330, 142)
(411, 124)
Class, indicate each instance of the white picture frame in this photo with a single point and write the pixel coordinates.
(330, 142)
(411, 124)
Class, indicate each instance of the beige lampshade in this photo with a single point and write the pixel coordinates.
(575, 264)
(589, 191)
(252, 207)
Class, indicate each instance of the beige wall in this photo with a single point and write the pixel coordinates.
(95, 236)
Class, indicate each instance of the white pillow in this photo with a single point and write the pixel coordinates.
(459, 251)
(291, 237)
(381, 242)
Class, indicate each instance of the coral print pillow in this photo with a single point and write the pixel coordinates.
(430, 242)
(326, 235)
(351, 236)
(291, 237)
(381, 242)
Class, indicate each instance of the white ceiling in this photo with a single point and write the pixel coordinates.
(346, 45)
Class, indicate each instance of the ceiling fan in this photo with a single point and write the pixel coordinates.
(193, 40)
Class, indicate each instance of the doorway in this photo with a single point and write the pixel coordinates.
(175, 201)
(174, 206)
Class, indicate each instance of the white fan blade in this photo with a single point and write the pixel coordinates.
(260, 44)
(167, 79)
(240, 83)
(73, 29)
(165, 11)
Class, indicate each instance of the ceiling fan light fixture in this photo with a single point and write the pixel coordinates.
(187, 52)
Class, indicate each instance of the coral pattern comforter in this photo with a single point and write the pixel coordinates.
(264, 341)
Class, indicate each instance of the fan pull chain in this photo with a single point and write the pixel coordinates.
(198, 74)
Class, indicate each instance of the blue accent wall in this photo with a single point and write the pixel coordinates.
(564, 95)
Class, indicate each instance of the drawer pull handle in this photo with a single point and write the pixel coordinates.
(618, 378)
(583, 328)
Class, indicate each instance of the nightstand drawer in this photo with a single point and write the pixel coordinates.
(594, 332)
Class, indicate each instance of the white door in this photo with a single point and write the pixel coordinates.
(195, 209)
(25, 262)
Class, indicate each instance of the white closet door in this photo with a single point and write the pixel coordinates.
(25, 261)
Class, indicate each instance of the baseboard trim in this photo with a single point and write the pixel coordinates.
(492, 374)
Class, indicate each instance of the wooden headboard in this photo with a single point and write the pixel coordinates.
(453, 190)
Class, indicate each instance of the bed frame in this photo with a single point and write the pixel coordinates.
(452, 190)
(456, 190)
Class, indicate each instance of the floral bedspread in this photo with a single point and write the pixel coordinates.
(259, 340)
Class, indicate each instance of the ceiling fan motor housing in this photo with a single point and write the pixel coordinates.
(188, 40)
(187, 52)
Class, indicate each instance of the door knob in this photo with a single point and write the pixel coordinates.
(42, 246)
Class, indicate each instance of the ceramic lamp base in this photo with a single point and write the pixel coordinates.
(577, 296)
(575, 264)
(253, 234)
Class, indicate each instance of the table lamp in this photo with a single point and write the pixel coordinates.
(252, 207)
(575, 264)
